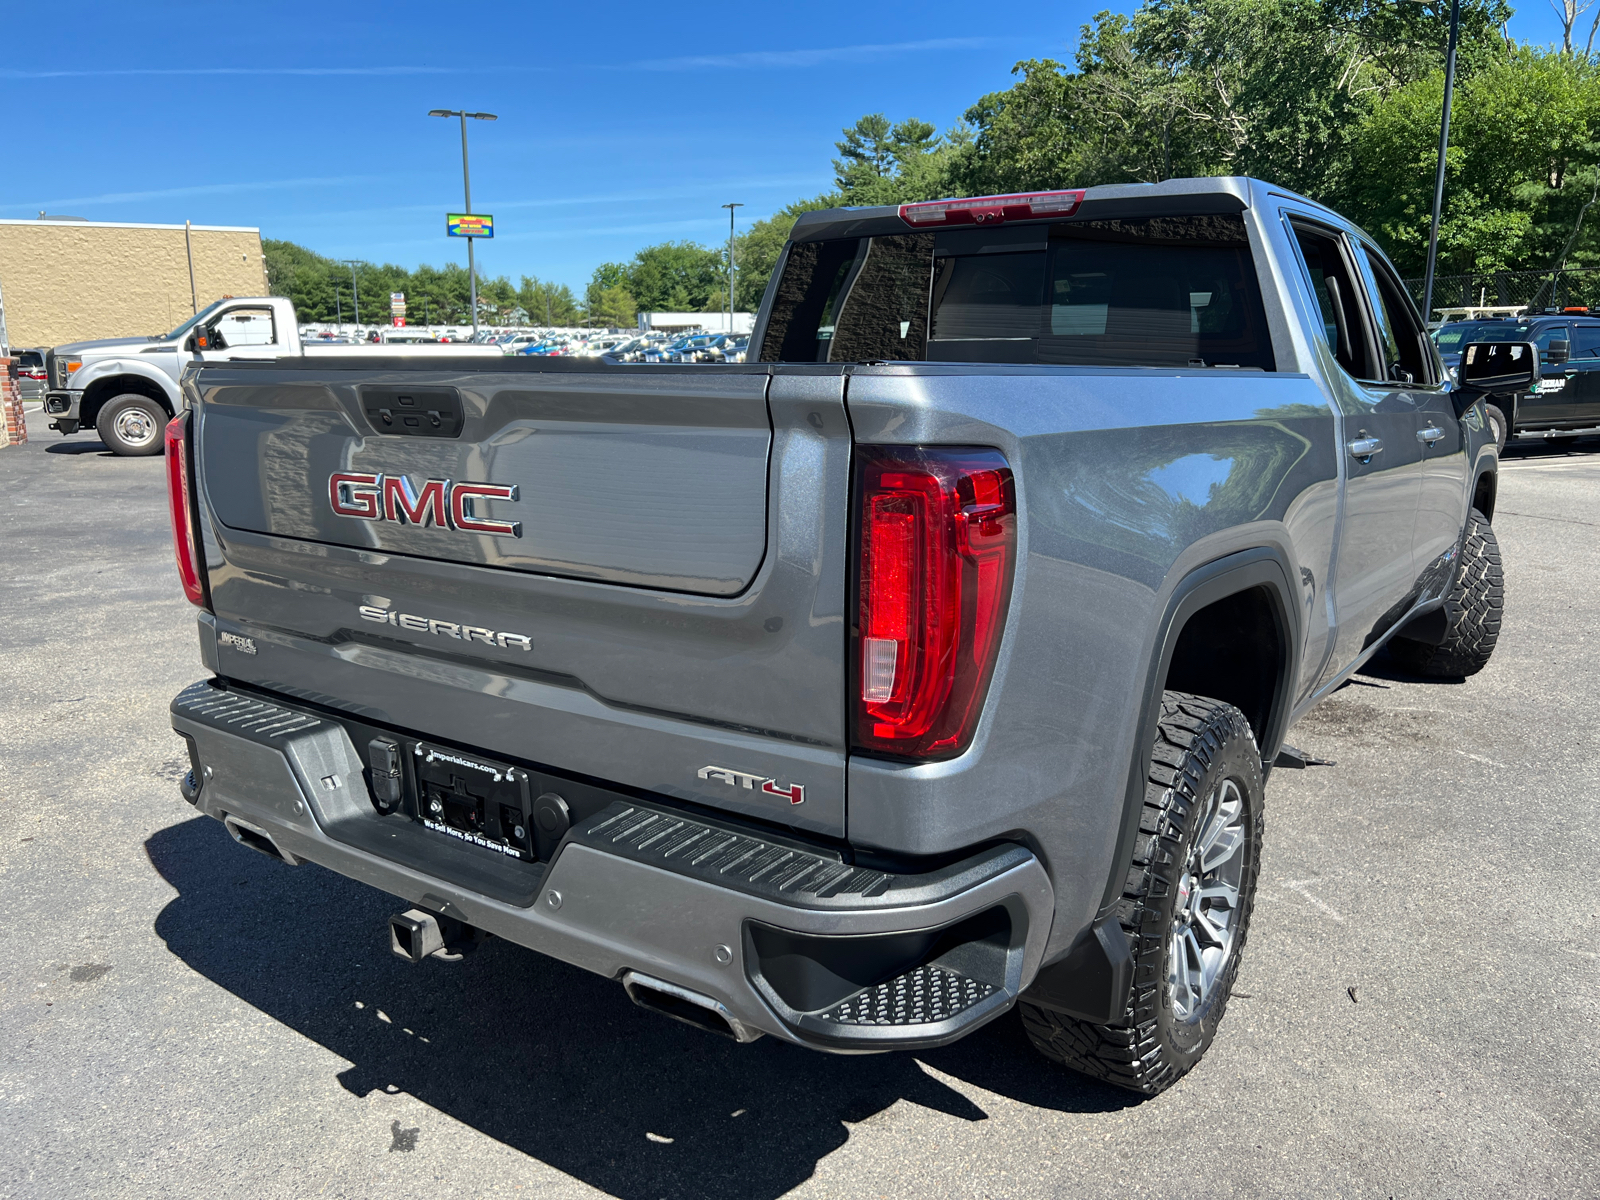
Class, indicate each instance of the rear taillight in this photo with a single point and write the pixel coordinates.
(180, 504)
(35, 373)
(937, 540)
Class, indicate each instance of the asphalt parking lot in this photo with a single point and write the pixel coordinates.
(1418, 1012)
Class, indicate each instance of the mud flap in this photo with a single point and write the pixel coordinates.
(1093, 981)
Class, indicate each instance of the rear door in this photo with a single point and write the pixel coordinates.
(1413, 370)
(1375, 573)
(635, 574)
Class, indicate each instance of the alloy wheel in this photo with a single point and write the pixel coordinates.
(1206, 914)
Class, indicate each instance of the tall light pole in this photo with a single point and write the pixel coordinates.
(1438, 179)
(730, 208)
(466, 180)
(355, 293)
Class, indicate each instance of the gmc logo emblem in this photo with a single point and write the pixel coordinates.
(438, 502)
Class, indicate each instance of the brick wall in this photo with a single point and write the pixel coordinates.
(16, 427)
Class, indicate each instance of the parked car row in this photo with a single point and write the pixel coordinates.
(652, 346)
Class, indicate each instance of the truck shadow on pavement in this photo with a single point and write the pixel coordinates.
(550, 1060)
(94, 446)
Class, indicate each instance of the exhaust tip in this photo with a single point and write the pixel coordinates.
(257, 839)
(690, 1007)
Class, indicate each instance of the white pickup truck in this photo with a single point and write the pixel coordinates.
(127, 388)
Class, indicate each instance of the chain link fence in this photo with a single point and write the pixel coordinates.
(1577, 286)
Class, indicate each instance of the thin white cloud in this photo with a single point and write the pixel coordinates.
(751, 60)
(780, 59)
(203, 189)
(181, 72)
(677, 192)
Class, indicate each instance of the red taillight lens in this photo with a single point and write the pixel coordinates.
(938, 538)
(35, 373)
(180, 503)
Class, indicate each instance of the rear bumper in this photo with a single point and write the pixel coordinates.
(786, 938)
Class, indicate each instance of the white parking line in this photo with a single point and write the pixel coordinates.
(1298, 886)
(1479, 758)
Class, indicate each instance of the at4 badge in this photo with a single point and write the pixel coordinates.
(794, 793)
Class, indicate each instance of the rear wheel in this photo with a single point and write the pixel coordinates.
(131, 424)
(1473, 612)
(1185, 907)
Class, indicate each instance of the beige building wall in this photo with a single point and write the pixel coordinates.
(71, 281)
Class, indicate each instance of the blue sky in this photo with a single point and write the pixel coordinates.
(620, 124)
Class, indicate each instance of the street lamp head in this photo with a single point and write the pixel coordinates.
(440, 112)
(482, 116)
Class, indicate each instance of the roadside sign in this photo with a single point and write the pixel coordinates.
(399, 322)
(469, 225)
(397, 303)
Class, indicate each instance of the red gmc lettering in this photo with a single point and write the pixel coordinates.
(355, 495)
(400, 500)
(440, 503)
(461, 513)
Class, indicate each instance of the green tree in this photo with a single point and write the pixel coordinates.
(1271, 88)
(884, 163)
(669, 277)
(547, 303)
(610, 307)
(1522, 165)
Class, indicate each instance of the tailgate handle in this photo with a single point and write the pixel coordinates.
(415, 412)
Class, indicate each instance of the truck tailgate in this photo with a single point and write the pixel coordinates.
(670, 599)
(652, 482)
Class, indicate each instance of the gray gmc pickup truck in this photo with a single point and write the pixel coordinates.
(929, 664)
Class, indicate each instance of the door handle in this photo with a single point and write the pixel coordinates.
(1363, 448)
(1430, 435)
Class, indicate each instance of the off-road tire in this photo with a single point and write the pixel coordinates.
(1498, 425)
(1200, 744)
(1473, 612)
(132, 425)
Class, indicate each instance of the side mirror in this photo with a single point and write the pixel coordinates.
(1559, 352)
(1499, 366)
(202, 339)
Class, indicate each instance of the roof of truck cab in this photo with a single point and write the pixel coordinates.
(1225, 193)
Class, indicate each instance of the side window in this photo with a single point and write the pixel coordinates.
(1586, 341)
(884, 314)
(1334, 284)
(802, 318)
(239, 327)
(1400, 336)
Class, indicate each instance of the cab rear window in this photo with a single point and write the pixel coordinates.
(1158, 291)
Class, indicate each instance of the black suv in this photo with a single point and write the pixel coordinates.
(1567, 402)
